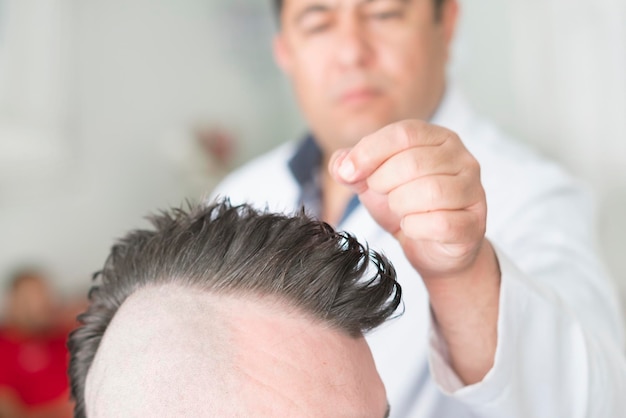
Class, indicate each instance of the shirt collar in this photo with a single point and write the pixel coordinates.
(306, 161)
(304, 166)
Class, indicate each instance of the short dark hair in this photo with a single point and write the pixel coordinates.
(278, 8)
(239, 250)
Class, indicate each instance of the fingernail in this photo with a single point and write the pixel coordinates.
(346, 169)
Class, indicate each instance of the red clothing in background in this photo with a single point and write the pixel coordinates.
(34, 367)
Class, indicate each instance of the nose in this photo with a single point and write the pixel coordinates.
(352, 45)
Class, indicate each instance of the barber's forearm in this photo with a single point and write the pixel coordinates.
(466, 311)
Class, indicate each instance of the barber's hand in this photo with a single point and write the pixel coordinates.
(420, 184)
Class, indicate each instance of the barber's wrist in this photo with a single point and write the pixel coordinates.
(483, 272)
(465, 309)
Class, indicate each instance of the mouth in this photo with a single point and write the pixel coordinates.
(358, 96)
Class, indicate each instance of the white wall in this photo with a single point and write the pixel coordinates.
(113, 107)
(136, 76)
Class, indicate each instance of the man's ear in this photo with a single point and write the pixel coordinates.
(282, 53)
(449, 16)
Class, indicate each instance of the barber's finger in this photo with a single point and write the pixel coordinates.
(371, 151)
(434, 193)
(334, 165)
(446, 227)
(412, 164)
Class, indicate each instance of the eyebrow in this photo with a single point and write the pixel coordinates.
(373, 1)
(312, 8)
(388, 406)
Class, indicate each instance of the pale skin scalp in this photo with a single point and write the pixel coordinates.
(417, 180)
(189, 353)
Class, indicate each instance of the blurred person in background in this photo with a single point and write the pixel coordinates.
(33, 353)
(509, 311)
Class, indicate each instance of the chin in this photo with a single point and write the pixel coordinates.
(360, 128)
(345, 129)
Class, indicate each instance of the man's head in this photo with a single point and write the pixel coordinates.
(358, 65)
(227, 311)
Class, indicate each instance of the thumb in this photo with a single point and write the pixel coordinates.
(377, 204)
(336, 167)
(343, 170)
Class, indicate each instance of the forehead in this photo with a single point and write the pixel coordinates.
(289, 4)
(304, 366)
(276, 360)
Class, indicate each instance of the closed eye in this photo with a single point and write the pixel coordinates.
(387, 15)
(314, 18)
(315, 28)
(384, 9)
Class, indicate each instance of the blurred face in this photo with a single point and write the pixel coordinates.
(31, 304)
(358, 65)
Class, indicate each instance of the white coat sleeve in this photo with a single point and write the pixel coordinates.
(560, 349)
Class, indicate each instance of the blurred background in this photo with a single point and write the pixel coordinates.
(110, 109)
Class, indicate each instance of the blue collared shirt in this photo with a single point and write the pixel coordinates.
(305, 168)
